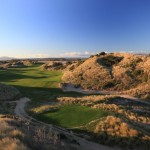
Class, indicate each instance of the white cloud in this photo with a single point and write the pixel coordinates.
(76, 54)
(71, 54)
(32, 56)
(87, 53)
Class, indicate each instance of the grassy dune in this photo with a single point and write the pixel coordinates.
(123, 72)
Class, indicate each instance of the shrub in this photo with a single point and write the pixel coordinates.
(109, 85)
(109, 60)
(137, 72)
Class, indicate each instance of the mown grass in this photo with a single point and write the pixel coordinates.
(43, 86)
(34, 83)
(70, 116)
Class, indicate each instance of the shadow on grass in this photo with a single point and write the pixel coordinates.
(44, 94)
(13, 75)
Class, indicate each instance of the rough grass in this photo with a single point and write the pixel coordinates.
(114, 72)
(114, 131)
(10, 137)
(8, 93)
(71, 116)
(15, 134)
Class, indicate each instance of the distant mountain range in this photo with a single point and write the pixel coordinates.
(6, 58)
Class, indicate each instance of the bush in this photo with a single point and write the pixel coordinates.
(137, 72)
(109, 60)
(109, 85)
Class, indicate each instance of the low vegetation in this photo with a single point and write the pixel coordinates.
(127, 124)
(107, 119)
(114, 131)
(113, 72)
(18, 134)
(8, 93)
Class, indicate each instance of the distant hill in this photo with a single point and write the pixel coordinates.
(6, 58)
(113, 72)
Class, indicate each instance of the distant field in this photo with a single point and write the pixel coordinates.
(72, 116)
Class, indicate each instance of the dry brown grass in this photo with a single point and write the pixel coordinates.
(12, 144)
(118, 71)
(86, 100)
(44, 108)
(15, 134)
(114, 131)
(142, 91)
(115, 127)
(10, 136)
(27, 63)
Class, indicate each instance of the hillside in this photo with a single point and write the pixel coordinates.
(46, 117)
(113, 72)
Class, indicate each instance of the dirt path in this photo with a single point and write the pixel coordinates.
(70, 88)
(83, 143)
(19, 110)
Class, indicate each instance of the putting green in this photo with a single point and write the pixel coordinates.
(72, 116)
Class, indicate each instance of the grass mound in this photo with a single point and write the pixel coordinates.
(8, 92)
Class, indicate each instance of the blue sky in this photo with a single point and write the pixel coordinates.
(54, 28)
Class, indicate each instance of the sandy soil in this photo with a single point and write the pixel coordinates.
(70, 87)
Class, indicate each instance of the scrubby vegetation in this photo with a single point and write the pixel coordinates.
(8, 93)
(127, 125)
(107, 119)
(114, 131)
(52, 66)
(115, 71)
(15, 64)
(18, 134)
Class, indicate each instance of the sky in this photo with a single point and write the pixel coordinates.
(68, 28)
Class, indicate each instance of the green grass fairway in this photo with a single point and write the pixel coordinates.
(72, 116)
(33, 82)
(31, 77)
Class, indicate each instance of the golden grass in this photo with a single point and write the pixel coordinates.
(86, 100)
(12, 144)
(128, 74)
(115, 127)
(114, 131)
(16, 135)
(44, 108)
